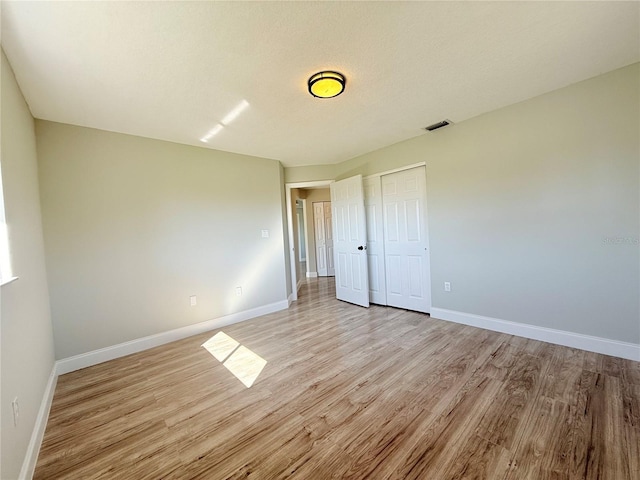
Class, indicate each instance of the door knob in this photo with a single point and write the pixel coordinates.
(362, 247)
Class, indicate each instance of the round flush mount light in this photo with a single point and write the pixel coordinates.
(326, 84)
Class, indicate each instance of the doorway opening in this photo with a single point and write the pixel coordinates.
(303, 195)
(379, 234)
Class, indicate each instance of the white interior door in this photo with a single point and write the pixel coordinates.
(328, 238)
(375, 240)
(407, 266)
(321, 249)
(302, 252)
(323, 232)
(349, 241)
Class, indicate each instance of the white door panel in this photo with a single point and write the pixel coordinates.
(320, 261)
(328, 235)
(356, 272)
(394, 275)
(321, 250)
(375, 240)
(331, 269)
(405, 240)
(349, 232)
(342, 277)
(324, 239)
(374, 280)
(391, 233)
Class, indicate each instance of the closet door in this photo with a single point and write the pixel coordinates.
(405, 240)
(324, 239)
(319, 230)
(328, 238)
(375, 240)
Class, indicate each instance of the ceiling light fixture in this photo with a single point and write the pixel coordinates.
(326, 84)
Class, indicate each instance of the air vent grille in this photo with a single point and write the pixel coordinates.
(438, 125)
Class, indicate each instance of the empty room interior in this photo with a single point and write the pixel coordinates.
(320, 240)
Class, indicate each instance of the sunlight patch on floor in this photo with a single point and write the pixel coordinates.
(244, 364)
(221, 346)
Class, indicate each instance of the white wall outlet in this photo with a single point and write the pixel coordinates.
(16, 411)
(265, 233)
(238, 291)
(447, 286)
(193, 300)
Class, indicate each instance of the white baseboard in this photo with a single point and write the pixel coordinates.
(605, 346)
(312, 274)
(290, 299)
(88, 359)
(33, 449)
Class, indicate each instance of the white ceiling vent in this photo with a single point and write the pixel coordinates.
(438, 125)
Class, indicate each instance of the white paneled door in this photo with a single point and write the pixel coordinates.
(375, 240)
(405, 240)
(323, 231)
(349, 241)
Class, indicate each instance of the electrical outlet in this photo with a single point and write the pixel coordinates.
(265, 233)
(447, 286)
(238, 291)
(193, 300)
(16, 411)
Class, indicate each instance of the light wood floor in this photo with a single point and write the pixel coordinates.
(350, 393)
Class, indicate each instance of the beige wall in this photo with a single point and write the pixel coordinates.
(26, 340)
(527, 206)
(313, 172)
(134, 226)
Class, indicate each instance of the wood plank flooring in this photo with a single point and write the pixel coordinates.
(350, 393)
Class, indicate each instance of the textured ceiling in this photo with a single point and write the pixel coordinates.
(173, 70)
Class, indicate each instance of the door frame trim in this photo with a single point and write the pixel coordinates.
(322, 183)
(292, 251)
(396, 170)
